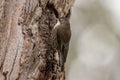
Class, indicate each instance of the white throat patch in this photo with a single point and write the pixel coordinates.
(57, 24)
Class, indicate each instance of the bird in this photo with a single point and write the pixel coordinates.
(62, 36)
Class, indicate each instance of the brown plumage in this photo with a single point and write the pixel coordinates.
(62, 33)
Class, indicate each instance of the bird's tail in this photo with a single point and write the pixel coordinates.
(63, 55)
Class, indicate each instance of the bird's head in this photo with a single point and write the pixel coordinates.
(64, 20)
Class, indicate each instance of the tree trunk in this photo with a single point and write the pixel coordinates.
(25, 45)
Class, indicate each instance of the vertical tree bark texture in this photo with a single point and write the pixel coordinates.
(25, 45)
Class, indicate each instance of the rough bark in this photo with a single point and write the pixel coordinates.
(25, 45)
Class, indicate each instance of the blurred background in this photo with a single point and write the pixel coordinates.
(94, 52)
